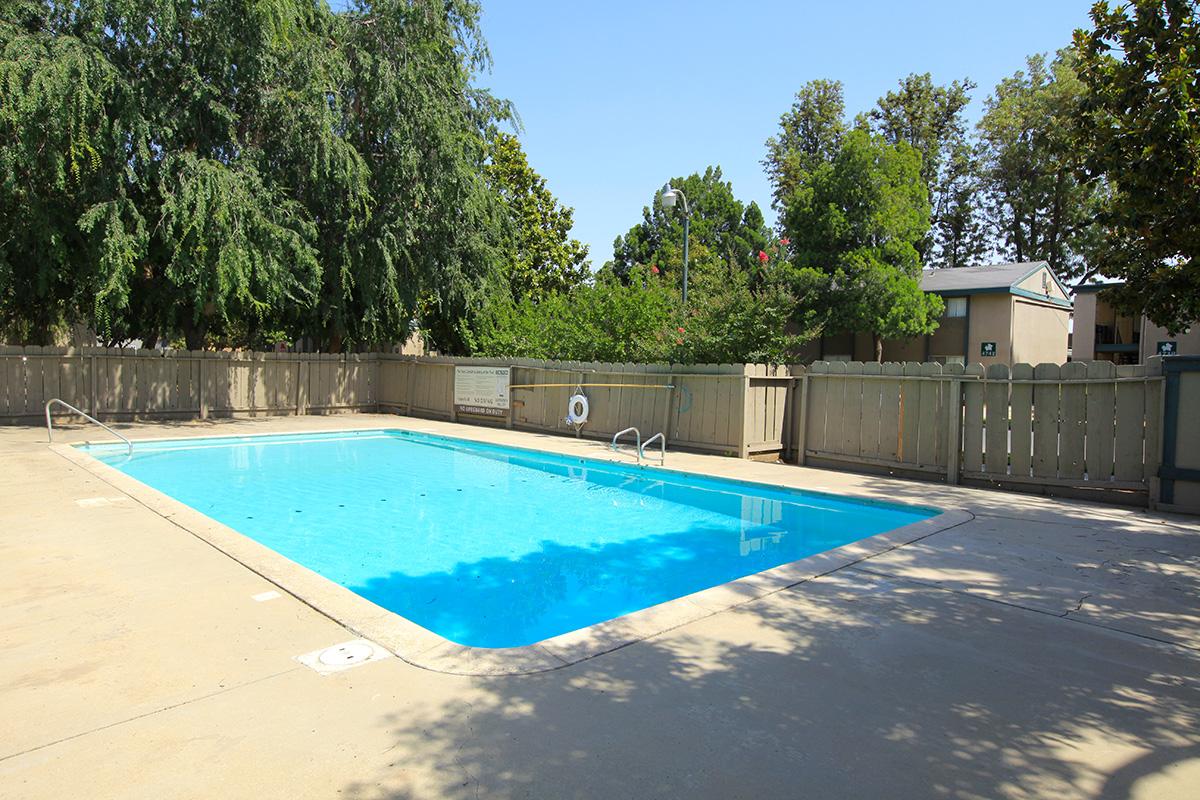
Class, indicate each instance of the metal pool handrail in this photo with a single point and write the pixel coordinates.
(662, 441)
(636, 433)
(88, 417)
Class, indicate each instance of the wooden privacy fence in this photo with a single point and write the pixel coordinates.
(117, 383)
(1090, 427)
(1094, 428)
(737, 409)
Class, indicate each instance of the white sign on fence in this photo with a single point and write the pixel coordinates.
(481, 390)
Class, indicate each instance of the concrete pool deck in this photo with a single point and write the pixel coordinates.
(1042, 648)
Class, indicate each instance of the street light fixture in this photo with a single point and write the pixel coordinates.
(669, 196)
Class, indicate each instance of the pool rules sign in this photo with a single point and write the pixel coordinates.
(481, 390)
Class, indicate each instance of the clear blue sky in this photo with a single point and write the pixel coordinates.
(616, 97)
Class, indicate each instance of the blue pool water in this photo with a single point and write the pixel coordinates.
(492, 546)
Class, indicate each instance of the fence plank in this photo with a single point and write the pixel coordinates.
(996, 418)
(946, 396)
(910, 415)
(818, 402)
(1046, 399)
(852, 413)
(1101, 420)
(871, 393)
(1129, 464)
(1072, 422)
(835, 409)
(1021, 422)
(930, 422)
(889, 412)
(972, 458)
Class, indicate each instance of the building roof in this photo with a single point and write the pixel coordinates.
(1095, 287)
(960, 281)
(973, 279)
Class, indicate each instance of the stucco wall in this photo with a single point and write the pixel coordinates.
(904, 349)
(949, 338)
(1189, 341)
(990, 322)
(1039, 333)
(1083, 340)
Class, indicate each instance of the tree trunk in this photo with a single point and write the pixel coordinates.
(193, 332)
(878, 348)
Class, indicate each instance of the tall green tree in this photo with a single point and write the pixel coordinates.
(810, 134)
(855, 225)
(1139, 128)
(178, 167)
(960, 233)
(725, 233)
(606, 320)
(540, 257)
(1036, 203)
(931, 119)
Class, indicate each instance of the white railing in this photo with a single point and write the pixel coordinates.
(662, 442)
(88, 417)
(636, 433)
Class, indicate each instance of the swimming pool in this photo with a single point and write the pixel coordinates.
(491, 546)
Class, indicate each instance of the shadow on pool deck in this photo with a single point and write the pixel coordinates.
(852, 685)
(512, 602)
(954, 667)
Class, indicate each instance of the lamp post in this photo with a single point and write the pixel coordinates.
(669, 195)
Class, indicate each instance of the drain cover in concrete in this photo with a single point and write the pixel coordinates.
(343, 656)
(98, 502)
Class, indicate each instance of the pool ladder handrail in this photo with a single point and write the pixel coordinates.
(662, 441)
(85, 415)
(636, 433)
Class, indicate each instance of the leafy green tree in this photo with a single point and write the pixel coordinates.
(854, 226)
(960, 226)
(739, 318)
(1037, 205)
(541, 256)
(177, 167)
(608, 320)
(742, 317)
(930, 118)
(1139, 128)
(723, 232)
(810, 134)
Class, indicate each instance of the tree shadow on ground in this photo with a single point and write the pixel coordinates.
(852, 685)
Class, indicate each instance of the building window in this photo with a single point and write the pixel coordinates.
(956, 306)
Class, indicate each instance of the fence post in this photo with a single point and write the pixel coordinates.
(1155, 449)
(670, 408)
(200, 387)
(408, 394)
(510, 418)
(92, 385)
(953, 439)
(300, 378)
(800, 419)
(743, 443)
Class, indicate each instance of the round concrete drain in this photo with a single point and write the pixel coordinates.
(345, 654)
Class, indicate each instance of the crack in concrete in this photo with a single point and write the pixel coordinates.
(136, 717)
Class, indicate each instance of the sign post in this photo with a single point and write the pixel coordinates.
(482, 390)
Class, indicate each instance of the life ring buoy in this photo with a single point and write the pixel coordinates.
(577, 409)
